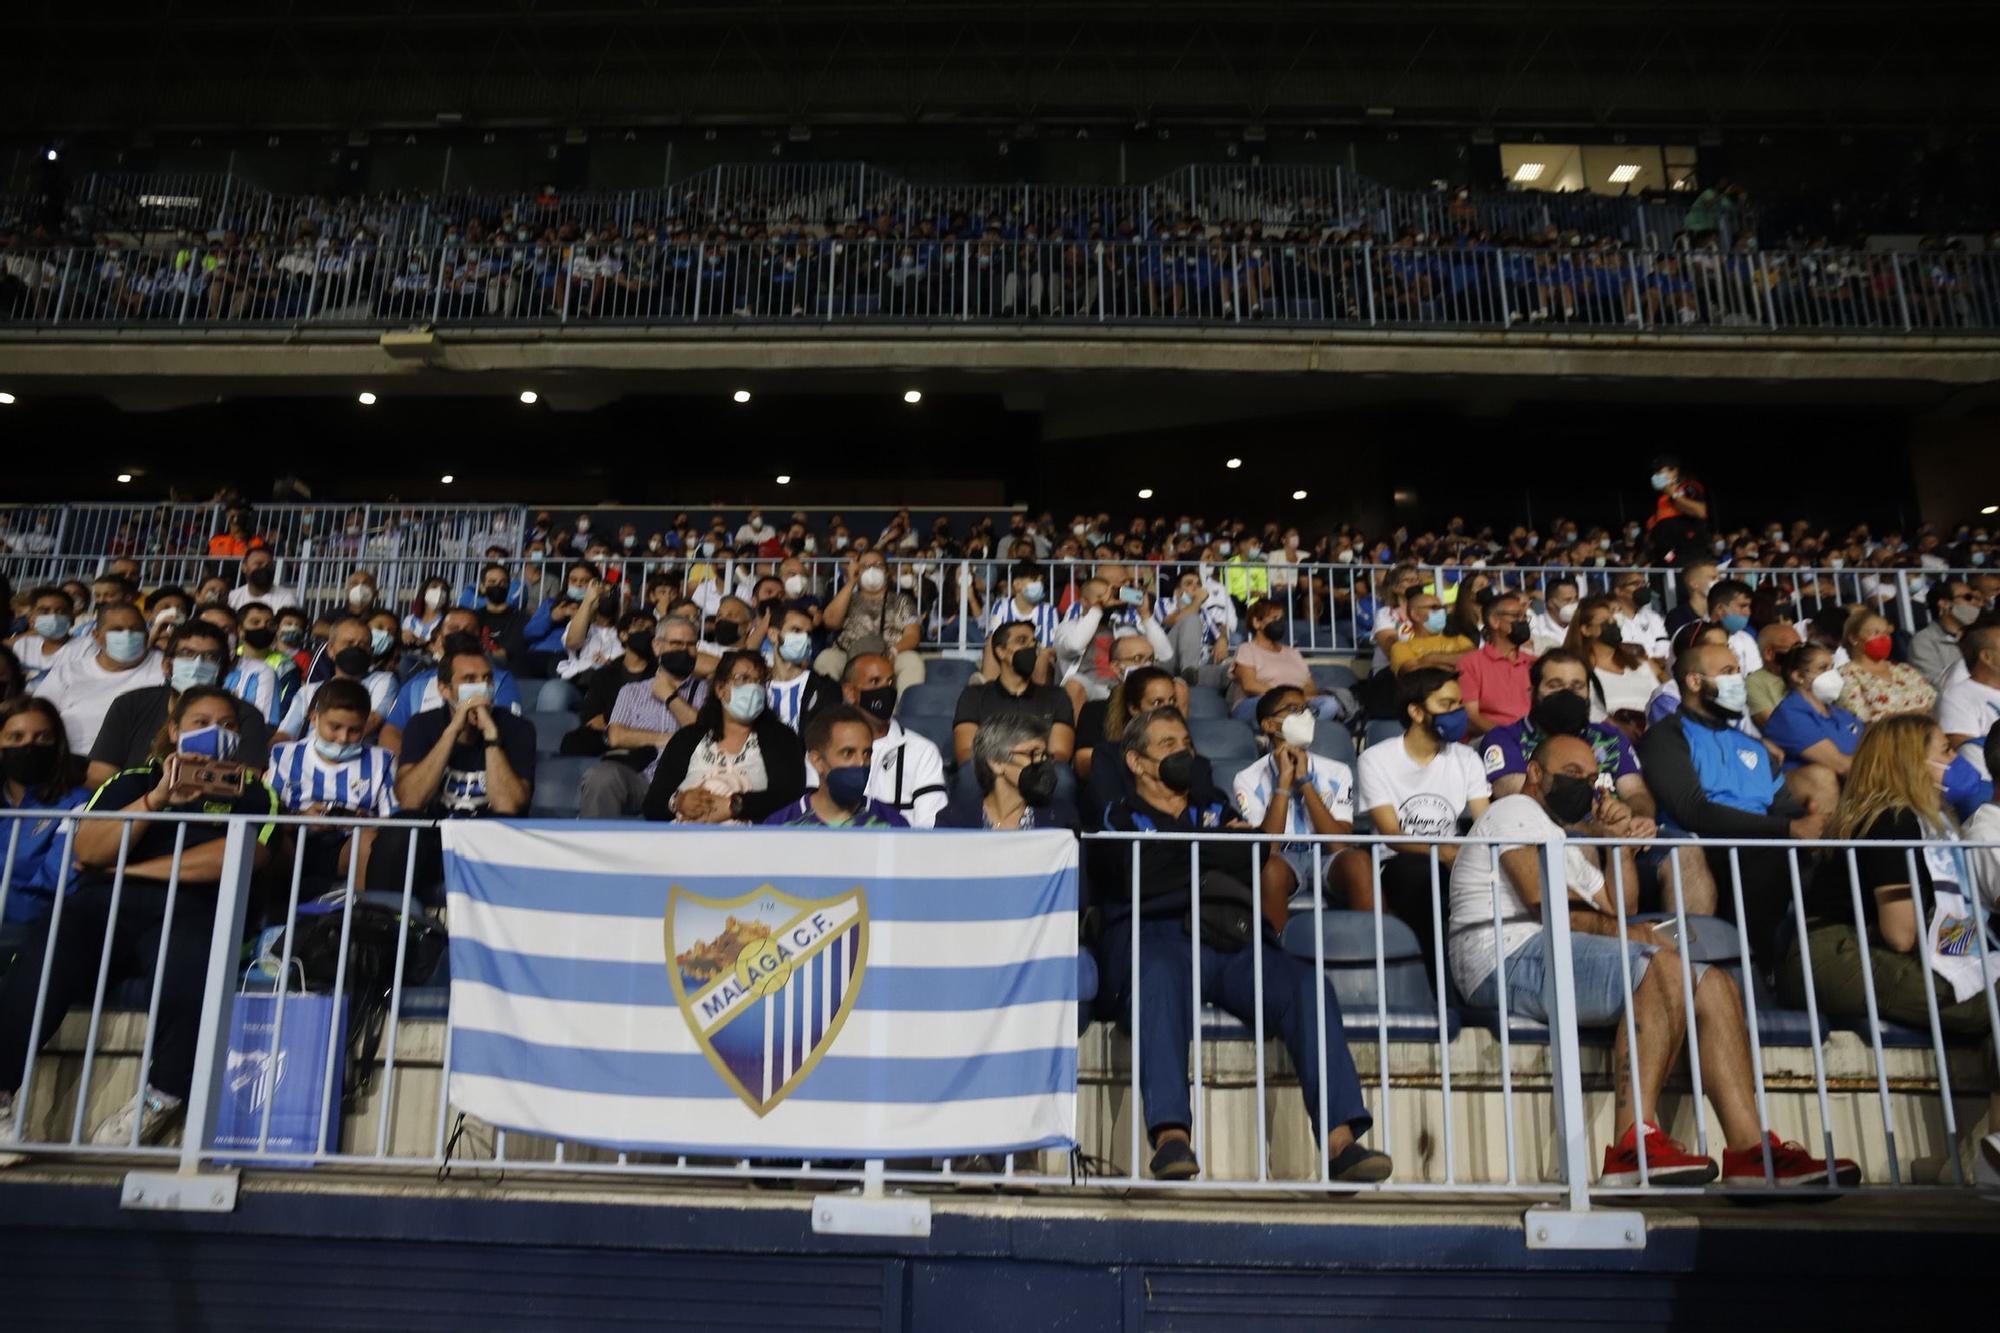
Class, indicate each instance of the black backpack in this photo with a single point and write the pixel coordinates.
(370, 976)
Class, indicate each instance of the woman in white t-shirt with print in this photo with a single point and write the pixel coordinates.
(1424, 786)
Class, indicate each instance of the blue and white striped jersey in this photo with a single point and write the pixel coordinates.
(300, 777)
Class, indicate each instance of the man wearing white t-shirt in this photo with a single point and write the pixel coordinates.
(82, 686)
(260, 583)
(1422, 787)
(1968, 708)
(1638, 620)
(1549, 627)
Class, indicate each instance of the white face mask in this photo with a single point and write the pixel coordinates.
(1297, 729)
(1826, 686)
(873, 579)
(360, 595)
(795, 585)
(433, 598)
(1565, 613)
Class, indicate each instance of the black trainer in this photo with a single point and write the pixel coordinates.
(1356, 1165)
(1174, 1159)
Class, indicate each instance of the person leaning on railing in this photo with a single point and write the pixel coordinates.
(36, 773)
(1893, 793)
(200, 733)
(1166, 797)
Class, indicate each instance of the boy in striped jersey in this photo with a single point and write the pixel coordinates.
(332, 771)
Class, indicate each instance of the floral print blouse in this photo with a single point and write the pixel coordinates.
(1902, 690)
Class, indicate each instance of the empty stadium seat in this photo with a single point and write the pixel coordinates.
(1405, 994)
(557, 782)
(956, 672)
(1205, 704)
(557, 696)
(933, 727)
(1221, 738)
(1333, 741)
(930, 699)
(550, 728)
(1383, 729)
(1333, 675)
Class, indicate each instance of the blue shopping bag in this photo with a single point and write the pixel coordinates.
(305, 1109)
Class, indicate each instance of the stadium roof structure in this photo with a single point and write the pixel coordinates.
(1135, 64)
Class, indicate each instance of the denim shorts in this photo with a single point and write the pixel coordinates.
(1600, 986)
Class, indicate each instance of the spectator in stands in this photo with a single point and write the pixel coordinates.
(736, 763)
(1729, 605)
(1428, 645)
(1712, 781)
(259, 633)
(13, 680)
(248, 677)
(634, 662)
(334, 771)
(1639, 623)
(1292, 792)
(107, 866)
(350, 648)
(839, 743)
(1391, 623)
(260, 583)
(797, 691)
(1016, 779)
(36, 773)
(425, 612)
(1808, 725)
(590, 637)
(1266, 661)
(1766, 685)
(544, 637)
(420, 692)
(1504, 879)
(194, 658)
(1677, 532)
(867, 615)
(83, 685)
(1493, 680)
(1027, 601)
(1199, 623)
(1426, 785)
(1622, 677)
(1954, 606)
(50, 619)
(1892, 794)
(908, 771)
(1110, 607)
(1549, 627)
(1970, 707)
(1140, 687)
(1877, 687)
(1159, 753)
(643, 719)
(1014, 690)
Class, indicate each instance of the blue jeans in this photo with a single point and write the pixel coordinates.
(1166, 1016)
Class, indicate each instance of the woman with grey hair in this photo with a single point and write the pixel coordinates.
(1017, 780)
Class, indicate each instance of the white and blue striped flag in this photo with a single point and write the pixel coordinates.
(790, 992)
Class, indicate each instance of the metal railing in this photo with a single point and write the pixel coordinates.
(1921, 1075)
(995, 281)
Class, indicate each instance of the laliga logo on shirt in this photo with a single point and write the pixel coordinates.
(765, 982)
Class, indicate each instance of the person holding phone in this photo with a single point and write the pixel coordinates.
(193, 769)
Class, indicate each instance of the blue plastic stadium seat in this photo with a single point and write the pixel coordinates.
(1333, 741)
(930, 699)
(1205, 704)
(550, 728)
(1383, 729)
(1332, 675)
(933, 727)
(953, 671)
(1404, 997)
(1306, 310)
(1225, 771)
(1221, 738)
(558, 696)
(557, 782)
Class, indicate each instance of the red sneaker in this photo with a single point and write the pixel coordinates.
(1791, 1164)
(1667, 1162)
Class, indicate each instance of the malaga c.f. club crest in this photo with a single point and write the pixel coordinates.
(765, 981)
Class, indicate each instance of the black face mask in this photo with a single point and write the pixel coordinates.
(29, 765)
(1610, 635)
(771, 608)
(496, 594)
(1517, 634)
(1560, 714)
(879, 703)
(1570, 800)
(640, 644)
(1177, 771)
(259, 639)
(352, 662)
(726, 633)
(258, 579)
(1272, 630)
(679, 663)
(1037, 783)
(1641, 598)
(1023, 661)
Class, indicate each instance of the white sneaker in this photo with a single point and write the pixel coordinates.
(10, 1133)
(155, 1111)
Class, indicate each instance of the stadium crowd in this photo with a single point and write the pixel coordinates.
(1134, 679)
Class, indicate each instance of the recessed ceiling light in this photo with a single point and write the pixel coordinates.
(1991, 509)
(1625, 172)
(1145, 492)
(446, 479)
(741, 395)
(365, 398)
(530, 397)
(913, 395)
(784, 478)
(1528, 171)
(1234, 463)
(6, 400)
(1298, 495)
(124, 477)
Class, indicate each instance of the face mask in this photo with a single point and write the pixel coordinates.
(1610, 635)
(1023, 661)
(796, 646)
(433, 598)
(1731, 694)
(1570, 799)
(1641, 598)
(1560, 714)
(474, 692)
(873, 579)
(1297, 729)
(291, 635)
(1177, 771)
(29, 765)
(51, 626)
(353, 662)
(628, 541)
(1566, 613)
(209, 742)
(582, 525)
(337, 752)
(188, 672)
(360, 595)
(1517, 634)
(795, 585)
(1032, 592)
(1735, 623)
(726, 633)
(258, 640)
(1963, 612)
(1450, 727)
(380, 641)
(848, 786)
(576, 591)
(1661, 481)
(906, 580)
(496, 594)
(1434, 622)
(1222, 548)
(879, 703)
(640, 644)
(1826, 686)
(1037, 782)
(1877, 649)
(678, 663)
(745, 701)
(259, 579)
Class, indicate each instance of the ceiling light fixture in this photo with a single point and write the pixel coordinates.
(1528, 171)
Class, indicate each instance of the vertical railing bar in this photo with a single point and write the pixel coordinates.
(97, 995)
(1874, 1018)
(159, 971)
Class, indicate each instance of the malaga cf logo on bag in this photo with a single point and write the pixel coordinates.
(765, 982)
